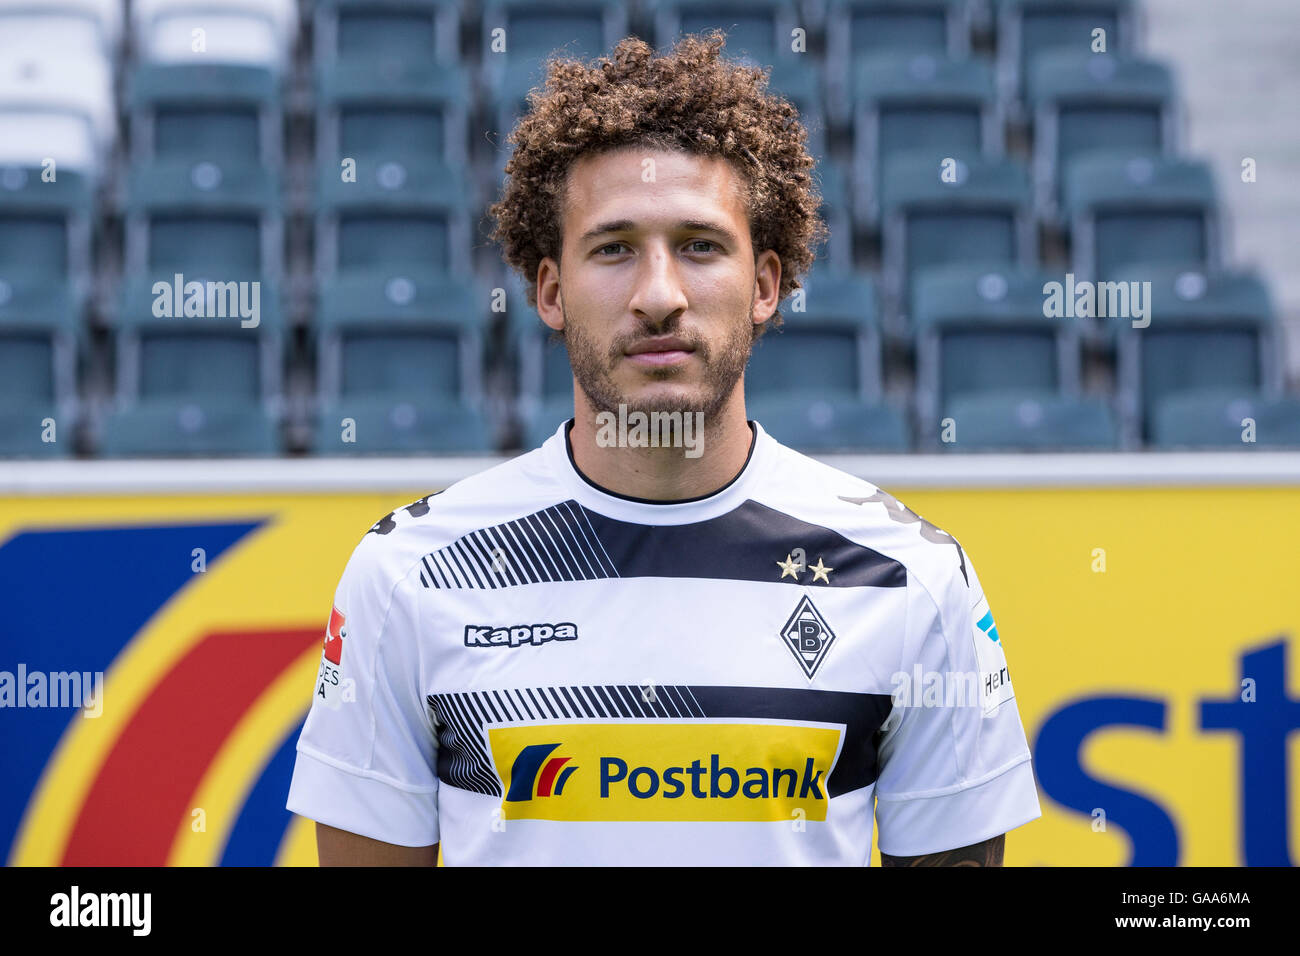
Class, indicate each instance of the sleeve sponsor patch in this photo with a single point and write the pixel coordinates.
(995, 680)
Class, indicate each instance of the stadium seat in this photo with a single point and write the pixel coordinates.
(982, 330)
(1226, 418)
(41, 340)
(519, 35)
(194, 385)
(376, 32)
(80, 28)
(913, 102)
(862, 28)
(406, 221)
(45, 227)
(1126, 207)
(1084, 101)
(829, 339)
(1206, 330)
(226, 113)
(757, 30)
(392, 118)
(541, 363)
(544, 419)
(200, 426)
(1026, 28)
(65, 97)
(814, 421)
(934, 213)
(400, 425)
(420, 336)
(1031, 421)
(215, 31)
(210, 220)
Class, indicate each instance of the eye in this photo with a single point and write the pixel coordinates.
(612, 245)
(706, 242)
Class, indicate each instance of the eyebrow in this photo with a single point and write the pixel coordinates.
(689, 225)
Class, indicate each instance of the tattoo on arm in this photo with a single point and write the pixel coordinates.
(988, 853)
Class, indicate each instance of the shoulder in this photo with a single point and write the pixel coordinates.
(397, 540)
(871, 517)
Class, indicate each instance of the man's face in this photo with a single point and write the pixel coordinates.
(659, 292)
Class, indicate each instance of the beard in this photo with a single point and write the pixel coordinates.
(723, 363)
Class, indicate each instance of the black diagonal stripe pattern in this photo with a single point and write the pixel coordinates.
(567, 542)
(463, 759)
(555, 544)
(460, 719)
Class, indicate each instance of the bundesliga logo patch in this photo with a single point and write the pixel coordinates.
(334, 635)
(327, 679)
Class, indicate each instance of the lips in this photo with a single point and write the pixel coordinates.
(666, 344)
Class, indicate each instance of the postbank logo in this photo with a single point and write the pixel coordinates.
(680, 771)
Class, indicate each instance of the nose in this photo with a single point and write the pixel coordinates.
(659, 297)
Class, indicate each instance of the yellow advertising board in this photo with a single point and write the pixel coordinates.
(1148, 632)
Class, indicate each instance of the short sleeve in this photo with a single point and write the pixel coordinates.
(954, 763)
(366, 758)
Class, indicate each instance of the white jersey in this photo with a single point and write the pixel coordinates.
(533, 670)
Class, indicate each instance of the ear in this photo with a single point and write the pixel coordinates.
(767, 285)
(550, 303)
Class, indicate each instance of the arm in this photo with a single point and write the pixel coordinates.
(988, 853)
(341, 848)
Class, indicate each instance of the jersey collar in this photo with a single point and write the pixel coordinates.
(645, 511)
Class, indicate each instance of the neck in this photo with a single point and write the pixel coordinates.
(664, 473)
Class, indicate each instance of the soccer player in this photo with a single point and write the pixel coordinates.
(708, 649)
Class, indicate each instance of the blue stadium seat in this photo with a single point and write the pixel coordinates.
(814, 422)
(401, 425)
(1206, 330)
(196, 385)
(541, 362)
(867, 28)
(544, 419)
(519, 35)
(417, 335)
(916, 102)
(1031, 421)
(226, 113)
(1127, 207)
(202, 426)
(393, 118)
(1027, 28)
(983, 331)
(757, 30)
(829, 340)
(1226, 418)
(211, 220)
(41, 340)
(970, 210)
(45, 227)
(1085, 101)
(410, 32)
(408, 221)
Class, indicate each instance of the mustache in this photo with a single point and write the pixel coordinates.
(622, 343)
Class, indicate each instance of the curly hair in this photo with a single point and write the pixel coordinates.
(690, 99)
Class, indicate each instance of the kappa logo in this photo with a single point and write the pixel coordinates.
(517, 634)
(532, 775)
(808, 635)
